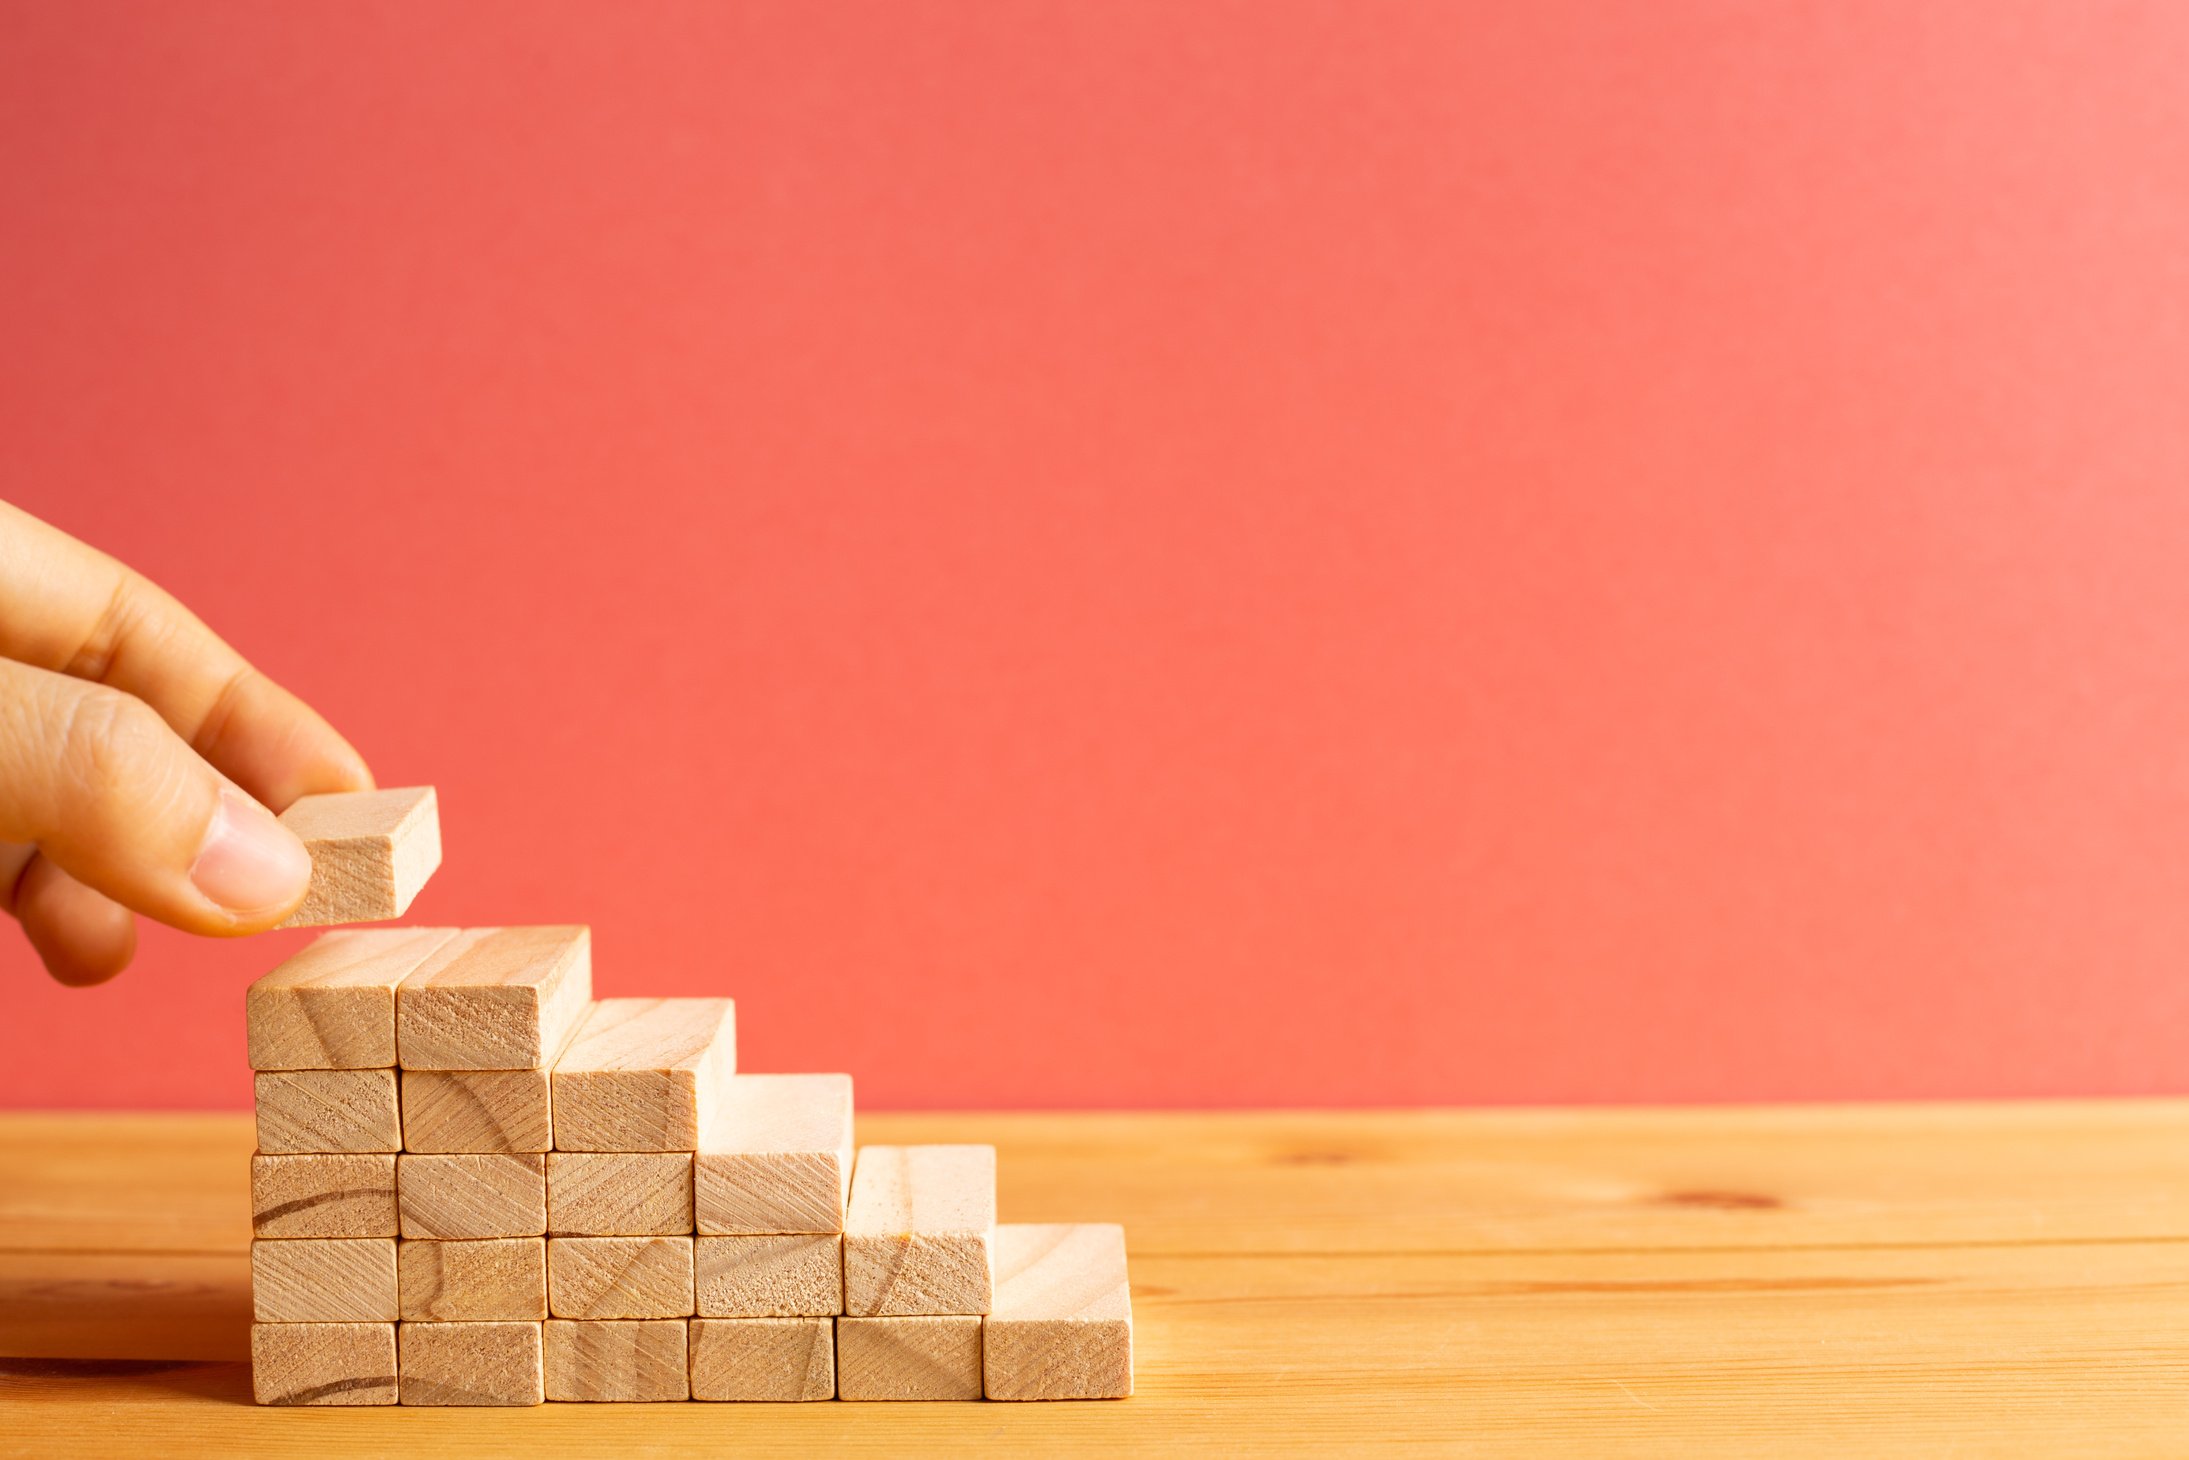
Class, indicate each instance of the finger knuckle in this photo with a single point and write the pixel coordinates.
(108, 741)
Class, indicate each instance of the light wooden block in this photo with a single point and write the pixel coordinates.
(494, 1279)
(451, 1111)
(371, 852)
(613, 1361)
(1063, 1322)
(919, 1236)
(327, 1110)
(323, 1196)
(472, 1363)
(644, 1074)
(908, 1358)
(778, 1157)
(485, 1195)
(619, 1193)
(619, 1277)
(324, 1280)
(794, 1276)
(495, 999)
(780, 1360)
(332, 1006)
(322, 1363)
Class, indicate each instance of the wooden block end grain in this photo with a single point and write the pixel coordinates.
(619, 1277)
(449, 1112)
(472, 1196)
(908, 1358)
(644, 1074)
(798, 1275)
(617, 1362)
(495, 1279)
(371, 852)
(919, 1236)
(323, 1196)
(472, 1364)
(495, 999)
(323, 1363)
(303, 1111)
(332, 1006)
(324, 1280)
(778, 1360)
(778, 1157)
(619, 1193)
(1062, 1326)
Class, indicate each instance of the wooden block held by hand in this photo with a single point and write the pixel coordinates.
(495, 999)
(455, 1111)
(323, 1363)
(783, 1360)
(473, 1196)
(1063, 1323)
(919, 1236)
(332, 1006)
(778, 1157)
(323, 1196)
(494, 1279)
(324, 1280)
(618, 1362)
(619, 1193)
(472, 1363)
(800, 1275)
(644, 1074)
(908, 1358)
(371, 852)
(619, 1277)
(302, 1111)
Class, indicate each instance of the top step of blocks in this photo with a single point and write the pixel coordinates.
(371, 852)
(332, 1006)
(495, 999)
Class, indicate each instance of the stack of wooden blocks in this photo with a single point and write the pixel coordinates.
(478, 1185)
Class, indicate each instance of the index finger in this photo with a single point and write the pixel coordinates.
(67, 606)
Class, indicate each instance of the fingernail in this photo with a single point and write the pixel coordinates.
(250, 862)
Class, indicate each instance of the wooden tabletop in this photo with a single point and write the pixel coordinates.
(2006, 1279)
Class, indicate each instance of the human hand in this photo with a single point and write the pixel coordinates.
(138, 757)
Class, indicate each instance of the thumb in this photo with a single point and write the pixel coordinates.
(114, 798)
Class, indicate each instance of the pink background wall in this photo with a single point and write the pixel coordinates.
(1123, 554)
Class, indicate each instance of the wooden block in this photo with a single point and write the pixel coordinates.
(778, 1157)
(619, 1277)
(448, 1111)
(617, 1361)
(324, 1280)
(795, 1276)
(1063, 1323)
(494, 1279)
(332, 1006)
(323, 1196)
(322, 1363)
(371, 852)
(327, 1110)
(908, 1358)
(472, 1363)
(919, 1236)
(619, 1193)
(502, 1195)
(495, 999)
(768, 1359)
(644, 1074)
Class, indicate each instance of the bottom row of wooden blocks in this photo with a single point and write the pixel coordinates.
(641, 1360)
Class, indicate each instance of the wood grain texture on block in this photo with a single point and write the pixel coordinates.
(495, 999)
(619, 1277)
(323, 1196)
(332, 1006)
(908, 1358)
(1063, 1322)
(919, 1236)
(619, 1362)
(779, 1360)
(453, 1111)
(482, 1195)
(324, 1280)
(777, 1158)
(371, 852)
(472, 1363)
(322, 1363)
(644, 1074)
(619, 1193)
(326, 1110)
(798, 1275)
(493, 1279)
